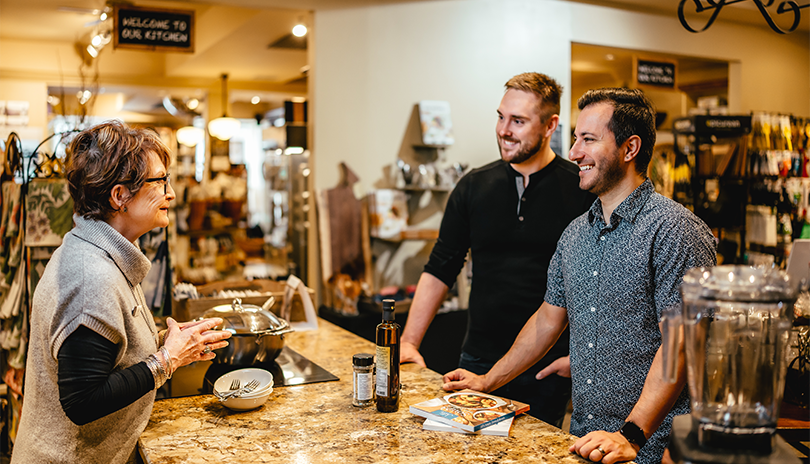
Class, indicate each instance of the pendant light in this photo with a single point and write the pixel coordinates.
(224, 127)
(190, 136)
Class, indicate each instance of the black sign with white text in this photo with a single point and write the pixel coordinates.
(660, 74)
(154, 29)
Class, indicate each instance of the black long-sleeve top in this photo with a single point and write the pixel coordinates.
(89, 387)
(511, 247)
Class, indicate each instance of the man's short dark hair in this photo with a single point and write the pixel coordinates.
(633, 114)
(546, 88)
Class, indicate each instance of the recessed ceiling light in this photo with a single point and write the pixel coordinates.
(255, 100)
(299, 30)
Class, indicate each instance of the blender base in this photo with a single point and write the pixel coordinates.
(684, 448)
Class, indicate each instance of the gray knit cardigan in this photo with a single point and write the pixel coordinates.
(93, 279)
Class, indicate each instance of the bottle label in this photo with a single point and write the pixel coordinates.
(362, 386)
(383, 366)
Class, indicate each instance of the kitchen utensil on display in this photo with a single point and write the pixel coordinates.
(247, 402)
(735, 323)
(247, 389)
(256, 335)
(258, 385)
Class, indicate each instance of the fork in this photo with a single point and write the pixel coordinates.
(237, 393)
(234, 386)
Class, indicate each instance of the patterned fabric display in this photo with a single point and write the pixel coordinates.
(49, 212)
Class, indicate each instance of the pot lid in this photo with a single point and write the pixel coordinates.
(246, 319)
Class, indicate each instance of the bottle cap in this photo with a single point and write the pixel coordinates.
(388, 310)
(363, 359)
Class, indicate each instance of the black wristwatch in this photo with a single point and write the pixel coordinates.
(633, 434)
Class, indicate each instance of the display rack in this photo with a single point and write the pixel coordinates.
(716, 149)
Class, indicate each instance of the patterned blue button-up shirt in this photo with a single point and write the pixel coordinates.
(615, 280)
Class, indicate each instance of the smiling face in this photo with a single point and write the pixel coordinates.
(599, 159)
(520, 128)
(149, 208)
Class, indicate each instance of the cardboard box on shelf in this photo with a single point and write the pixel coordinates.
(186, 310)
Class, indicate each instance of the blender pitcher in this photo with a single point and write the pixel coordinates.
(736, 323)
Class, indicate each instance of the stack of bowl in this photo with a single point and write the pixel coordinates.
(246, 401)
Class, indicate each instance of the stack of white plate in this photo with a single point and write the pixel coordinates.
(246, 401)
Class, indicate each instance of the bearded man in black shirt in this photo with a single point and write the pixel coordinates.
(509, 214)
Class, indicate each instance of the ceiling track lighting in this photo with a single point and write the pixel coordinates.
(224, 127)
(102, 33)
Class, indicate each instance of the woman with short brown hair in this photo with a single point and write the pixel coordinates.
(95, 357)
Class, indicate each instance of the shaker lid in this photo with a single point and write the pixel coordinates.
(363, 359)
(246, 319)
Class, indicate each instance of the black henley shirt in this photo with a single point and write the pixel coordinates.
(511, 247)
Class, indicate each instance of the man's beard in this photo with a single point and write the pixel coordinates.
(524, 154)
(610, 176)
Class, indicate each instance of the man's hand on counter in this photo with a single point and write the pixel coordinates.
(605, 447)
(409, 353)
(460, 379)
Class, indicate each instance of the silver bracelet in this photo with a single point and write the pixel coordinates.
(165, 352)
(157, 370)
(150, 363)
(161, 367)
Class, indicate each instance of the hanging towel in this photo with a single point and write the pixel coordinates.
(10, 243)
(12, 302)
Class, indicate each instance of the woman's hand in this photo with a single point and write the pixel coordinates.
(194, 341)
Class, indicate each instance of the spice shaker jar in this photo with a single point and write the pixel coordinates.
(363, 380)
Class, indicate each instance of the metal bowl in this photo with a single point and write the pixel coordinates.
(256, 335)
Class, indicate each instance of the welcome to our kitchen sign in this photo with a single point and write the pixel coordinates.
(657, 73)
(154, 29)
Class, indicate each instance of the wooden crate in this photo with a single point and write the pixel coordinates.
(186, 310)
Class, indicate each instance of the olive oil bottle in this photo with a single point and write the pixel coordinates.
(388, 333)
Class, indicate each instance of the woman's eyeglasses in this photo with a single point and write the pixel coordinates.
(164, 180)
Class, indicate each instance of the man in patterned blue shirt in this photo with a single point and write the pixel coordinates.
(615, 269)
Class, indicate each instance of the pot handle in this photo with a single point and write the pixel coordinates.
(270, 332)
(269, 303)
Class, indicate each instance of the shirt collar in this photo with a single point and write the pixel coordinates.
(537, 174)
(627, 209)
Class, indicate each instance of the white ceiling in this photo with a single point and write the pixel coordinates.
(234, 35)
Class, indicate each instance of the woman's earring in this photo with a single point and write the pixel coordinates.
(125, 209)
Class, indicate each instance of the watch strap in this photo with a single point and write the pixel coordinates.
(633, 434)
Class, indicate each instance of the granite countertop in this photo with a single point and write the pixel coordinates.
(317, 422)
